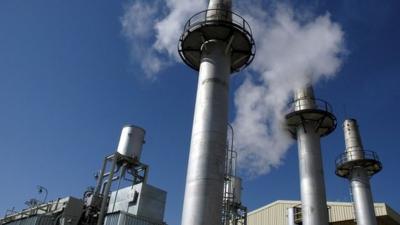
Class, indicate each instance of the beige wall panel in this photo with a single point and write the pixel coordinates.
(339, 213)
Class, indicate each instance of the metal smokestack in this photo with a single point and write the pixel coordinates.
(215, 46)
(220, 4)
(358, 166)
(309, 120)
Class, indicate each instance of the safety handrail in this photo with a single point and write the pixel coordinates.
(355, 155)
(302, 103)
(217, 15)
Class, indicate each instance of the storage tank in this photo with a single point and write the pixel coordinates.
(131, 141)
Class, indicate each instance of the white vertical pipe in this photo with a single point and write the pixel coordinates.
(290, 215)
(106, 192)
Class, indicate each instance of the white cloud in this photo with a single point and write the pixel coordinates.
(290, 54)
(152, 34)
(138, 27)
(169, 29)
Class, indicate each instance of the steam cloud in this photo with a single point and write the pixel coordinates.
(143, 20)
(292, 50)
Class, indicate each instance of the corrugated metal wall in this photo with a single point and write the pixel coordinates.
(273, 214)
(127, 219)
(345, 211)
(34, 220)
(276, 212)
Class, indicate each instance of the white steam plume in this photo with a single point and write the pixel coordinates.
(291, 51)
(143, 20)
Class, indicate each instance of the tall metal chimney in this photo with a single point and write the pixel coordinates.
(358, 166)
(309, 120)
(216, 42)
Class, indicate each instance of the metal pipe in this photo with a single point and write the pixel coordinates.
(312, 184)
(359, 178)
(106, 192)
(146, 172)
(290, 216)
(364, 205)
(100, 177)
(219, 10)
(220, 4)
(205, 175)
(122, 174)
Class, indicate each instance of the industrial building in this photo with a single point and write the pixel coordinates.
(284, 212)
(122, 195)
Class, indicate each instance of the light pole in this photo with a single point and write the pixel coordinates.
(42, 189)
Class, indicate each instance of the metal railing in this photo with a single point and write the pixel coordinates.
(211, 16)
(355, 155)
(303, 104)
(32, 211)
(298, 216)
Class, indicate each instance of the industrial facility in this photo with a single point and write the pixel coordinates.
(133, 201)
(217, 42)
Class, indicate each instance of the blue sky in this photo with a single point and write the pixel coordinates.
(68, 83)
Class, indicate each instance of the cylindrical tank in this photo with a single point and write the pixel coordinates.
(354, 148)
(233, 188)
(131, 141)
